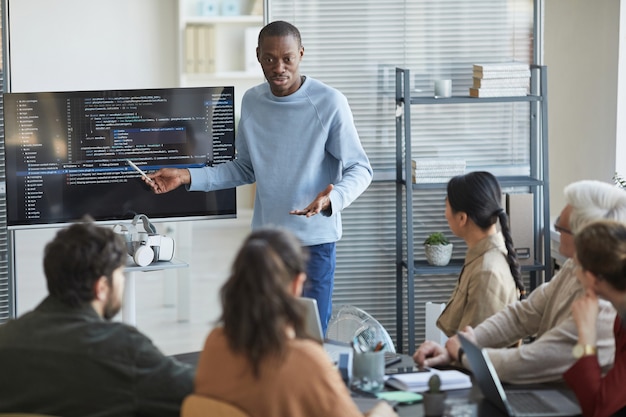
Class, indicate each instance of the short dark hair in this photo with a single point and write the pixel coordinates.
(280, 28)
(77, 257)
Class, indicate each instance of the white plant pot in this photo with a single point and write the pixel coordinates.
(438, 255)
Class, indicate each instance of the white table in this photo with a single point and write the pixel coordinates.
(129, 314)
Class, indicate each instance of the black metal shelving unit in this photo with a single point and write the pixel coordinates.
(407, 268)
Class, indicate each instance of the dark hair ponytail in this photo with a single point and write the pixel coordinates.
(478, 194)
(511, 255)
(257, 307)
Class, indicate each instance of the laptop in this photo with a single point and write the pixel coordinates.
(520, 402)
(313, 327)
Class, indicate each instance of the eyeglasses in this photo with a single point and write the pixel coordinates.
(561, 229)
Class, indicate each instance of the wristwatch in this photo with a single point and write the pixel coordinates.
(583, 350)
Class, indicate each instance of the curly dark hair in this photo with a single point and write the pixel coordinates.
(77, 257)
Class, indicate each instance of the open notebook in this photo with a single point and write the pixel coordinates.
(516, 402)
(417, 381)
(314, 329)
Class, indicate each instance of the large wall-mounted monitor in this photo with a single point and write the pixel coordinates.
(66, 153)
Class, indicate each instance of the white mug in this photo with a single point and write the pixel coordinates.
(443, 88)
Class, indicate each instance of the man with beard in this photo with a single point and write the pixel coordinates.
(67, 358)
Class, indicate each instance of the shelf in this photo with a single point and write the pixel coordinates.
(223, 75)
(219, 49)
(455, 266)
(473, 100)
(215, 20)
(534, 176)
(505, 181)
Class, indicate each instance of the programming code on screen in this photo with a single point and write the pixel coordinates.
(66, 152)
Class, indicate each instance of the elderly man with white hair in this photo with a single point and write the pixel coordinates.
(546, 314)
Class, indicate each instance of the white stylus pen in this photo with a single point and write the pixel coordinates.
(136, 168)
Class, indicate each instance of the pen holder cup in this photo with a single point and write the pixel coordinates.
(368, 371)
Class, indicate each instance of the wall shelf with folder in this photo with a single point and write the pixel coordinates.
(535, 184)
(218, 46)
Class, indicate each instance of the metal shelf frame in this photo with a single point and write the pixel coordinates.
(537, 181)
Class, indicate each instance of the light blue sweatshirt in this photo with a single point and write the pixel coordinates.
(294, 147)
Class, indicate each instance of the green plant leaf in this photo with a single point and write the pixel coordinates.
(436, 238)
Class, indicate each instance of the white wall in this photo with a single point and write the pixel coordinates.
(620, 149)
(92, 44)
(581, 52)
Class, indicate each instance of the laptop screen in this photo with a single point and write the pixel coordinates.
(313, 324)
(545, 402)
(484, 373)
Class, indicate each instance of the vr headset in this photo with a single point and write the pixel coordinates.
(147, 246)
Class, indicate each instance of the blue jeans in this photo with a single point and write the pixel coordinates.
(321, 279)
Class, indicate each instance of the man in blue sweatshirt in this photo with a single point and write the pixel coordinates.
(297, 140)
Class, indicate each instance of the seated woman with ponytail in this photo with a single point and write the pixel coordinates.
(491, 276)
(545, 314)
(259, 358)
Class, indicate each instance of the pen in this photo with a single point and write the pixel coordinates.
(136, 168)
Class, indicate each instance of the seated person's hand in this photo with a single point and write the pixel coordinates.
(453, 344)
(381, 409)
(431, 354)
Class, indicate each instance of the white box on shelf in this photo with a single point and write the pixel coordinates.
(208, 7)
(251, 42)
(521, 220)
(231, 7)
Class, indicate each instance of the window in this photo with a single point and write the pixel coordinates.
(355, 46)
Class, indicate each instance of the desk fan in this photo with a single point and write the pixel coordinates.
(348, 322)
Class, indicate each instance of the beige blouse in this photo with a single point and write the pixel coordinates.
(485, 286)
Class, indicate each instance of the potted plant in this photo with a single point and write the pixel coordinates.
(434, 399)
(438, 249)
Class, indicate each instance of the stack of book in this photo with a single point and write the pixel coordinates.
(505, 79)
(436, 170)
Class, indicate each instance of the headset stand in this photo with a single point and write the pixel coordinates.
(129, 314)
(177, 283)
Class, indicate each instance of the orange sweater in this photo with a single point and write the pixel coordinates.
(305, 384)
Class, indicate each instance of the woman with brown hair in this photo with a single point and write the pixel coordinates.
(601, 258)
(259, 358)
